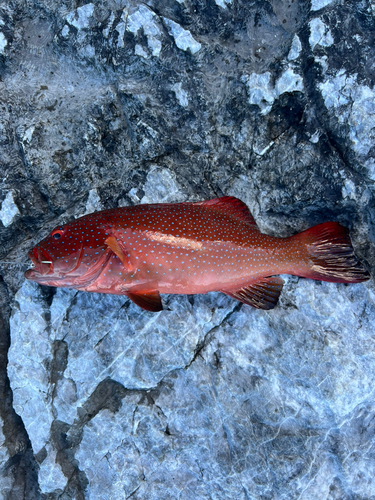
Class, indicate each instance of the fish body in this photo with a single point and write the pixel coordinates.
(188, 248)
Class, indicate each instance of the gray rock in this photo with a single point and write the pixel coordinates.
(6, 482)
(115, 104)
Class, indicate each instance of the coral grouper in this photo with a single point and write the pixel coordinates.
(188, 248)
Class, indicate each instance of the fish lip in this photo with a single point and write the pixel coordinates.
(31, 274)
(40, 268)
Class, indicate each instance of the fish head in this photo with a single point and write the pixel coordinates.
(67, 254)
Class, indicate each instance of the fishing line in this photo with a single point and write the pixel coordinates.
(18, 263)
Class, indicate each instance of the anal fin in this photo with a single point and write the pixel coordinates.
(149, 300)
(263, 294)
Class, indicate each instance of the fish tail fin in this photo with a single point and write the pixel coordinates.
(330, 255)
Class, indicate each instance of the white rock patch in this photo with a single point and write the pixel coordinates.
(120, 28)
(260, 90)
(116, 465)
(223, 3)
(183, 38)
(65, 31)
(161, 187)
(146, 19)
(362, 119)
(28, 135)
(262, 93)
(353, 104)
(3, 43)
(80, 18)
(181, 94)
(29, 356)
(93, 202)
(50, 474)
(139, 51)
(8, 210)
(319, 34)
(319, 4)
(288, 82)
(109, 25)
(295, 49)
(336, 92)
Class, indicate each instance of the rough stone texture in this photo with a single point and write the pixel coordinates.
(110, 104)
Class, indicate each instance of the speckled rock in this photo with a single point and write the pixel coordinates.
(111, 104)
(6, 482)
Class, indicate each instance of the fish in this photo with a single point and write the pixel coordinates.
(146, 250)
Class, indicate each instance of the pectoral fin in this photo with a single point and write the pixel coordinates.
(263, 295)
(119, 250)
(150, 300)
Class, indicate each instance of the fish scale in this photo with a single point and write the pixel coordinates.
(188, 248)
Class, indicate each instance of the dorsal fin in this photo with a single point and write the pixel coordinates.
(230, 205)
(262, 295)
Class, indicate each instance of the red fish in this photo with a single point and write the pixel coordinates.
(188, 248)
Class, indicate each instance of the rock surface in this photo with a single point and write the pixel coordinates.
(110, 104)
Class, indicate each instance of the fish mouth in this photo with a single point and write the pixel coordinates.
(43, 271)
(43, 264)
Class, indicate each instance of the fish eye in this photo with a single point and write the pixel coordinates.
(57, 233)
